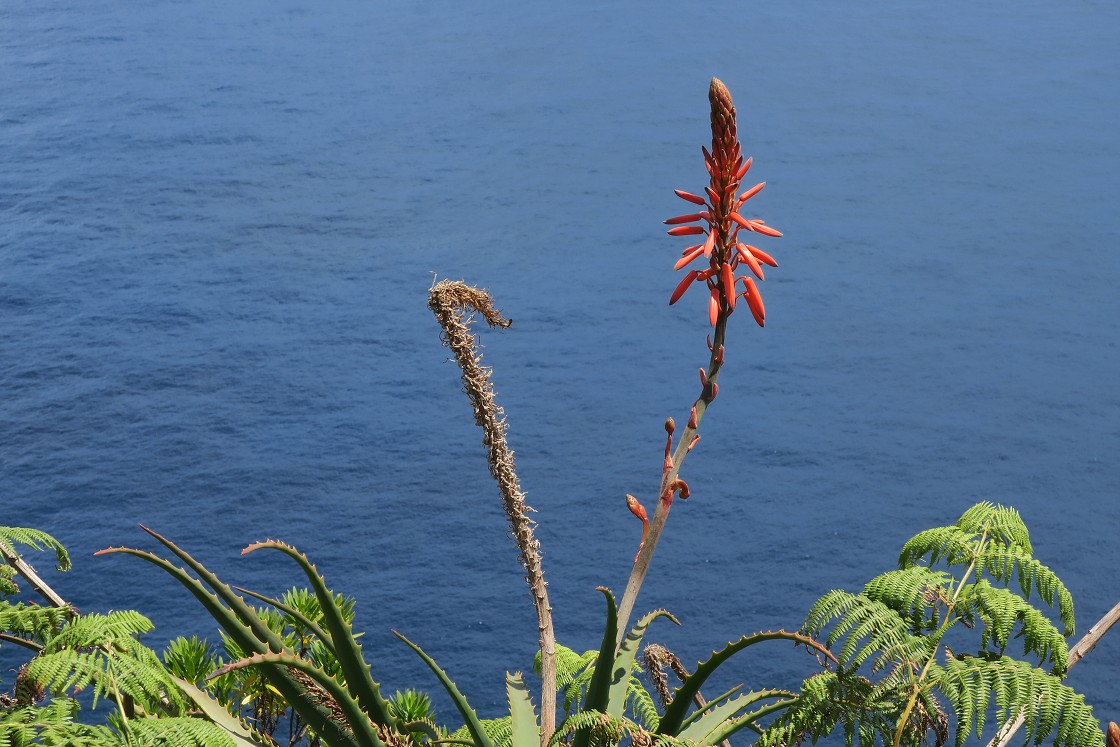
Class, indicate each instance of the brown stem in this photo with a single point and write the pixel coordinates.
(1076, 654)
(38, 584)
(452, 302)
(665, 497)
(21, 642)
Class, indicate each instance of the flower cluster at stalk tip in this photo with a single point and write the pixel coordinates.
(721, 212)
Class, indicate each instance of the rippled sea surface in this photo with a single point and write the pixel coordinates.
(219, 223)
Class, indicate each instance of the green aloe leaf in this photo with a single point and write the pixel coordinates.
(675, 713)
(241, 735)
(523, 717)
(599, 691)
(624, 662)
(363, 729)
(245, 627)
(749, 721)
(470, 718)
(699, 731)
(359, 680)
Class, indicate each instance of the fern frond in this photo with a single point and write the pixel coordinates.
(865, 621)
(95, 629)
(604, 728)
(576, 678)
(952, 544)
(1004, 562)
(569, 664)
(33, 538)
(1000, 610)
(175, 732)
(907, 592)
(134, 673)
(7, 585)
(970, 683)
(52, 724)
(827, 701)
(499, 730)
(999, 522)
(642, 705)
(30, 621)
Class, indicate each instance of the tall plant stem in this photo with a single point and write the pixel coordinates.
(1076, 654)
(665, 493)
(452, 302)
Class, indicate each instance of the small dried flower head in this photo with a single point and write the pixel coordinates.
(723, 220)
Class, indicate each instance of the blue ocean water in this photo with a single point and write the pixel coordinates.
(219, 223)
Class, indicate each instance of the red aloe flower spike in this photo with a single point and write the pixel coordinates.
(696, 252)
(684, 219)
(685, 231)
(761, 255)
(684, 285)
(689, 196)
(722, 224)
(690, 248)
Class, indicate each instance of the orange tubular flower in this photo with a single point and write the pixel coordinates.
(723, 221)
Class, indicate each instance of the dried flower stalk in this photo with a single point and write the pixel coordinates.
(452, 302)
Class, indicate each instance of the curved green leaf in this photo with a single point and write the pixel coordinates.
(624, 662)
(470, 718)
(359, 680)
(682, 699)
(699, 730)
(363, 729)
(241, 735)
(599, 691)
